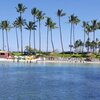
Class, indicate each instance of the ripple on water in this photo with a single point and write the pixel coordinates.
(49, 82)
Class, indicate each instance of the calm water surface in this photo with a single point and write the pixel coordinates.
(49, 82)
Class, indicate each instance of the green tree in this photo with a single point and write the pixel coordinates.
(78, 45)
(47, 23)
(21, 22)
(88, 30)
(52, 26)
(29, 50)
(21, 9)
(87, 44)
(6, 26)
(99, 46)
(2, 28)
(94, 28)
(60, 14)
(84, 26)
(98, 25)
(92, 45)
(97, 40)
(34, 12)
(73, 20)
(40, 16)
(30, 26)
(15, 24)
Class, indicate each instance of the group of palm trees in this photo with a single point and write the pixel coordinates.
(38, 16)
(92, 27)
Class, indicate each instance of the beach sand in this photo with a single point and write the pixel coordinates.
(50, 61)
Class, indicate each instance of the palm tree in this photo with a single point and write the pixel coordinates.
(52, 26)
(96, 47)
(21, 22)
(94, 27)
(2, 28)
(6, 27)
(34, 12)
(47, 23)
(30, 26)
(98, 25)
(15, 24)
(88, 30)
(78, 45)
(29, 49)
(99, 46)
(60, 14)
(40, 16)
(21, 9)
(92, 45)
(73, 20)
(81, 44)
(87, 44)
(84, 26)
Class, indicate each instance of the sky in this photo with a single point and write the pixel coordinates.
(85, 10)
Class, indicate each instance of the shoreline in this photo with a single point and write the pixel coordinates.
(67, 62)
(49, 61)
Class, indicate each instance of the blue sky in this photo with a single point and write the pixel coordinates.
(84, 9)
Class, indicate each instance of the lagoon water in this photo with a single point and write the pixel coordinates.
(49, 81)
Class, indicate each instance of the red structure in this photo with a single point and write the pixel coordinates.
(5, 54)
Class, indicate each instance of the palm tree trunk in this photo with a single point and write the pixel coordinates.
(93, 40)
(29, 41)
(94, 36)
(88, 36)
(7, 40)
(34, 33)
(61, 35)
(21, 39)
(39, 36)
(71, 39)
(47, 37)
(88, 40)
(99, 49)
(52, 41)
(3, 38)
(84, 41)
(20, 14)
(21, 35)
(73, 35)
(17, 41)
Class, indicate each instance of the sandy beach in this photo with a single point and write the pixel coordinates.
(42, 60)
